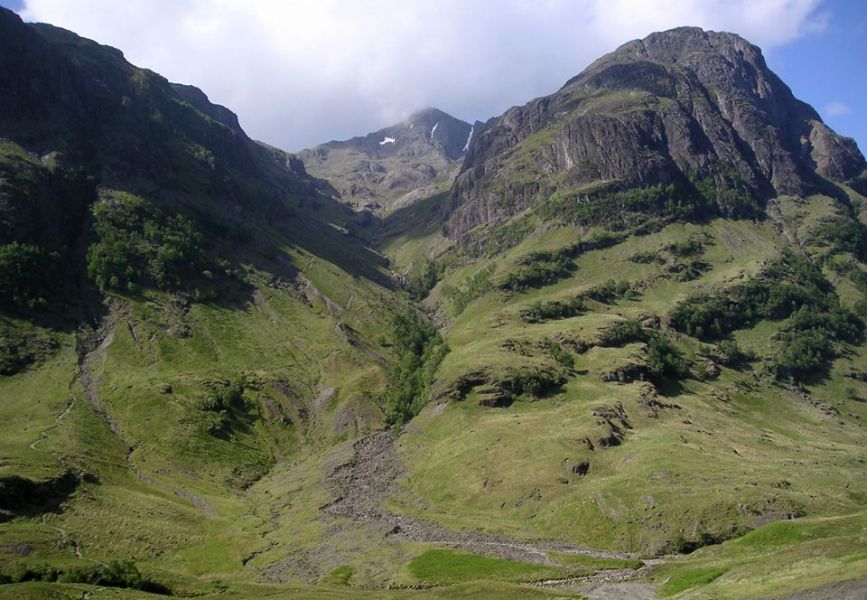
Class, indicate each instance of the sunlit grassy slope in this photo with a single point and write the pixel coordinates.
(204, 502)
(700, 460)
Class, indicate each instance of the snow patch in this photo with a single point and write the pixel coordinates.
(469, 137)
(433, 130)
(387, 140)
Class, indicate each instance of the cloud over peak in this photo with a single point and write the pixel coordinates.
(302, 72)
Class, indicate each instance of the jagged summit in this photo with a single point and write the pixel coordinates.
(392, 166)
(679, 105)
(430, 126)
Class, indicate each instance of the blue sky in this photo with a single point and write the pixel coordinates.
(827, 69)
(303, 72)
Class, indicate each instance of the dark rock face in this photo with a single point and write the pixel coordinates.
(67, 95)
(679, 105)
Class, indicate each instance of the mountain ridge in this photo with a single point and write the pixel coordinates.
(662, 116)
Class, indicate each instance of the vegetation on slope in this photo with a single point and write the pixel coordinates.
(790, 288)
(420, 351)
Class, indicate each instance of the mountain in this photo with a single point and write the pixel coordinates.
(684, 107)
(181, 307)
(653, 287)
(389, 168)
(622, 354)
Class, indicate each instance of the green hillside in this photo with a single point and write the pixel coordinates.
(218, 379)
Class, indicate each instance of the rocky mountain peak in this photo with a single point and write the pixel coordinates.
(683, 105)
(379, 170)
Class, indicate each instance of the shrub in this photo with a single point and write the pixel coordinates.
(138, 244)
(647, 257)
(419, 285)
(689, 247)
(531, 383)
(538, 269)
(558, 354)
(664, 360)
(552, 309)
(843, 234)
(420, 351)
(225, 397)
(730, 354)
(119, 574)
(556, 309)
(28, 276)
(610, 291)
(622, 333)
(476, 285)
(537, 272)
(789, 288)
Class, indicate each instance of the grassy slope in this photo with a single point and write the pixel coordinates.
(178, 503)
(736, 452)
(196, 512)
(716, 460)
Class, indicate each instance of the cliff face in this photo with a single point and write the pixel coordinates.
(681, 105)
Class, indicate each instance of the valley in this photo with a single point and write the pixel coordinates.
(609, 344)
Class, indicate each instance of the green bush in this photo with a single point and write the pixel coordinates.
(118, 574)
(843, 234)
(475, 286)
(420, 284)
(138, 244)
(615, 207)
(664, 360)
(537, 272)
(225, 397)
(730, 354)
(789, 288)
(550, 310)
(558, 354)
(610, 291)
(622, 333)
(689, 247)
(420, 351)
(538, 269)
(647, 257)
(28, 276)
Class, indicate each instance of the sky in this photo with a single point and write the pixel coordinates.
(303, 72)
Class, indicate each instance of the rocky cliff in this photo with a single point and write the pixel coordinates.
(681, 107)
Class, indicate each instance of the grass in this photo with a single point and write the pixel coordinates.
(446, 567)
(688, 579)
(781, 557)
(341, 575)
(680, 473)
(487, 590)
(209, 512)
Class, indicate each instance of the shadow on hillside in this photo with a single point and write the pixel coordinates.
(669, 388)
(415, 220)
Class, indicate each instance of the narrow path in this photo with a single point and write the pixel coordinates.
(58, 420)
(66, 539)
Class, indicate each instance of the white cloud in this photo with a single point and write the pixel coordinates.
(299, 72)
(836, 109)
